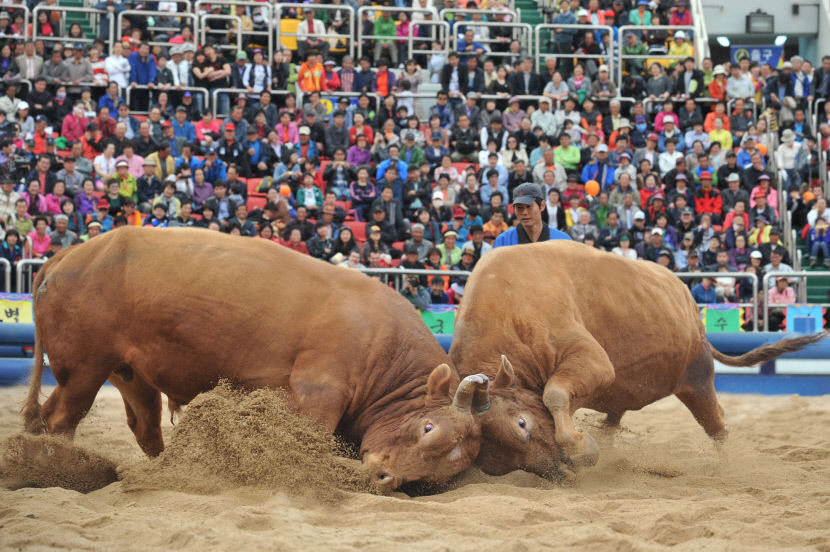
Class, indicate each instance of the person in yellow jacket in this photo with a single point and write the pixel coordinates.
(760, 234)
(721, 135)
(680, 47)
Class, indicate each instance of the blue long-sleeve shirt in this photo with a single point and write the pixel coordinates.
(593, 171)
(403, 170)
(106, 101)
(486, 191)
(142, 72)
(217, 172)
(511, 236)
(702, 295)
(186, 131)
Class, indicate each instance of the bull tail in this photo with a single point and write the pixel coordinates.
(32, 420)
(767, 352)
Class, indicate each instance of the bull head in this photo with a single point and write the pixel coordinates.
(435, 442)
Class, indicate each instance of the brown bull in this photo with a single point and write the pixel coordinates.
(174, 311)
(583, 328)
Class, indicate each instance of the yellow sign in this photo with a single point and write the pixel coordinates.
(15, 312)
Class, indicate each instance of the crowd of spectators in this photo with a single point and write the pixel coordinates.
(680, 151)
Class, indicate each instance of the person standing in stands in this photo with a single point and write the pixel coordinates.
(528, 203)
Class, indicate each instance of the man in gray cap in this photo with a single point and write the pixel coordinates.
(78, 69)
(528, 204)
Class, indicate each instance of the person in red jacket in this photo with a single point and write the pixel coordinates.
(708, 199)
(332, 79)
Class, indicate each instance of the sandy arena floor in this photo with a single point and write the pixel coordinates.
(660, 483)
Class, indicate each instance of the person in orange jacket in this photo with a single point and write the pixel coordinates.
(312, 75)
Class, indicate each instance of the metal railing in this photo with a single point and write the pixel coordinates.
(634, 28)
(469, 22)
(522, 32)
(203, 31)
(390, 9)
(213, 94)
(12, 9)
(736, 275)
(63, 34)
(348, 39)
(7, 270)
(701, 33)
(264, 9)
(800, 275)
(196, 89)
(21, 266)
(171, 30)
(542, 56)
(399, 273)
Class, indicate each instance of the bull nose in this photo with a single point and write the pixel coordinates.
(384, 481)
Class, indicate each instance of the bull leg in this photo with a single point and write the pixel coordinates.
(142, 403)
(321, 400)
(697, 392)
(582, 370)
(71, 399)
(612, 419)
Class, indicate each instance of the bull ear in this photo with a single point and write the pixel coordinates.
(438, 384)
(506, 377)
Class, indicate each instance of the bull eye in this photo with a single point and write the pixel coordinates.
(522, 423)
(427, 427)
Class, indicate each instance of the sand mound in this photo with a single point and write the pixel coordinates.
(229, 437)
(49, 461)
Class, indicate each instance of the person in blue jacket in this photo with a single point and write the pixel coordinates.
(600, 169)
(528, 204)
(704, 292)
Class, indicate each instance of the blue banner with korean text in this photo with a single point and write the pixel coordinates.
(774, 55)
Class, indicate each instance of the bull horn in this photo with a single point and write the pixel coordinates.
(481, 399)
(465, 393)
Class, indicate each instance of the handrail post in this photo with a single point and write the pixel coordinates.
(7, 270)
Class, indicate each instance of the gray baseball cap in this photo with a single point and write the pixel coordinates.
(527, 193)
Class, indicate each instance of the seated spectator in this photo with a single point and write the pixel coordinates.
(294, 242)
(704, 292)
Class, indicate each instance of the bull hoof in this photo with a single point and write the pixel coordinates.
(584, 453)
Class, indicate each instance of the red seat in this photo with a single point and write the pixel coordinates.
(346, 205)
(398, 246)
(396, 262)
(358, 229)
(256, 203)
(252, 185)
(461, 167)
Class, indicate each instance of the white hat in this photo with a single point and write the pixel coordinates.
(22, 105)
(582, 13)
(756, 255)
(733, 177)
(602, 147)
(304, 130)
(658, 231)
(786, 65)
(458, 289)
(603, 67)
(640, 216)
(719, 70)
(680, 34)
(788, 136)
(437, 195)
